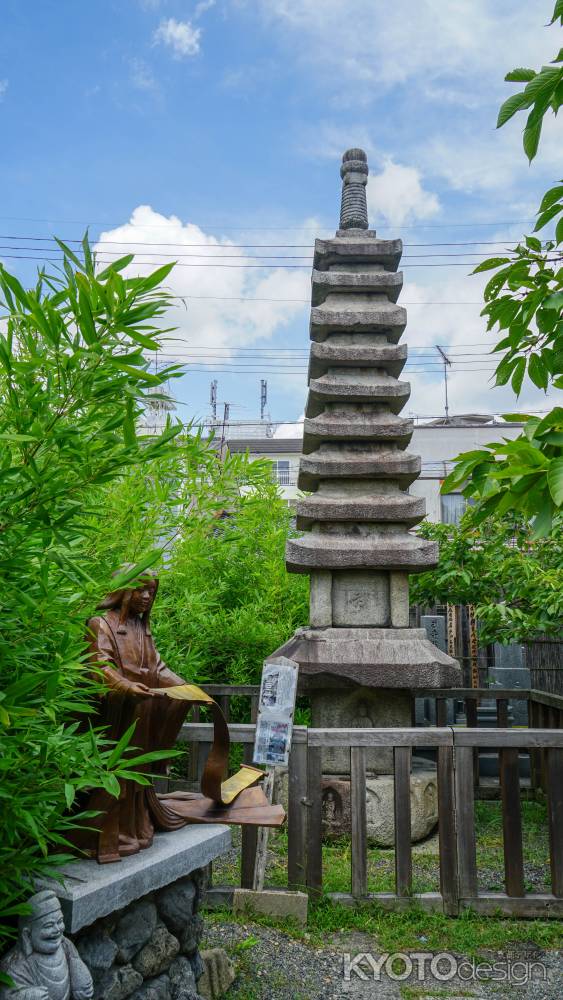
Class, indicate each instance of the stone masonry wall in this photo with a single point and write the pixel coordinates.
(148, 950)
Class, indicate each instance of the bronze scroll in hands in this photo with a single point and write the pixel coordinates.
(142, 690)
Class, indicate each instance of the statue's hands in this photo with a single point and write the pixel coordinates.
(140, 689)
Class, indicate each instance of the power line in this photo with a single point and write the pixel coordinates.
(114, 254)
(266, 229)
(294, 267)
(242, 246)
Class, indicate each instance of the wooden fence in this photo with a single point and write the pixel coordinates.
(456, 752)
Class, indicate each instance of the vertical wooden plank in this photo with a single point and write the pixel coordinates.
(535, 755)
(314, 822)
(555, 816)
(471, 716)
(193, 758)
(403, 854)
(502, 713)
(359, 821)
(511, 822)
(446, 829)
(465, 822)
(543, 713)
(249, 837)
(441, 711)
(297, 818)
(254, 700)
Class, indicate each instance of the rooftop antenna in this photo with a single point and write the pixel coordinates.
(263, 397)
(446, 363)
(226, 414)
(213, 398)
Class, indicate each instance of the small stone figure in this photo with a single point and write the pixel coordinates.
(44, 965)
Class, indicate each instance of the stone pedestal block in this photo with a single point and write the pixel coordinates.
(359, 708)
(381, 811)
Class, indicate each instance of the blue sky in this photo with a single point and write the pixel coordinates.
(219, 126)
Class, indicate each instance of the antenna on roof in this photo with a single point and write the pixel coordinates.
(446, 363)
(263, 397)
(213, 398)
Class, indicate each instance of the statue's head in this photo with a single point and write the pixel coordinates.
(133, 600)
(42, 930)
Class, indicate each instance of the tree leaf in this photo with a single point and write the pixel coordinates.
(520, 75)
(518, 375)
(547, 216)
(531, 139)
(513, 104)
(555, 480)
(487, 265)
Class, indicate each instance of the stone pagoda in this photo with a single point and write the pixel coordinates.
(360, 662)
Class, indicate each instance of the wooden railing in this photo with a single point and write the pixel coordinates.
(456, 750)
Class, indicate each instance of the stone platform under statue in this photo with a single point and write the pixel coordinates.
(130, 930)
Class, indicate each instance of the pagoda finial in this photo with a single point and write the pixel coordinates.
(354, 172)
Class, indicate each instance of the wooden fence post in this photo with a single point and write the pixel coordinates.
(297, 814)
(314, 822)
(403, 851)
(511, 821)
(446, 830)
(465, 822)
(359, 821)
(555, 815)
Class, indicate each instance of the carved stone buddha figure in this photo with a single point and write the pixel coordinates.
(44, 965)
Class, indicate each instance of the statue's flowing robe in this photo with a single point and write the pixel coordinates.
(125, 658)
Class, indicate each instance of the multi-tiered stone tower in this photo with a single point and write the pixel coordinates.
(360, 662)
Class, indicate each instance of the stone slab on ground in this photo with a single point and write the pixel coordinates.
(91, 891)
(273, 902)
(218, 975)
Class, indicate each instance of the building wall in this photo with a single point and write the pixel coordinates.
(436, 445)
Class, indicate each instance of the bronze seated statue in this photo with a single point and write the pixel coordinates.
(142, 691)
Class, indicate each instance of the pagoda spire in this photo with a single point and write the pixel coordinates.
(353, 207)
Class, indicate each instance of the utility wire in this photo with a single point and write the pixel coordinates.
(266, 229)
(242, 246)
(294, 267)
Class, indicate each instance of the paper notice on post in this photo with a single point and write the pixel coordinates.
(276, 706)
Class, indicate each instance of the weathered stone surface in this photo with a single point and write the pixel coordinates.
(154, 989)
(191, 934)
(116, 984)
(362, 249)
(196, 964)
(360, 708)
(336, 813)
(372, 657)
(398, 507)
(91, 891)
(182, 979)
(273, 902)
(325, 355)
(380, 807)
(346, 422)
(134, 929)
(360, 598)
(218, 975)
(347, 551)
(387, 283)
(176, 903)
(361, 386)
(97, 950)
(157, 954)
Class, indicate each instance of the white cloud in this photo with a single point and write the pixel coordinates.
(397, 195)
(386, 44)
(3, 89)
(212, 314)
(180, 36)
(141, 75)
(202, 7)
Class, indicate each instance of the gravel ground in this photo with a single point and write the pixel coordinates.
(272, 966)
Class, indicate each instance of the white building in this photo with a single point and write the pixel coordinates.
(437, 443)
